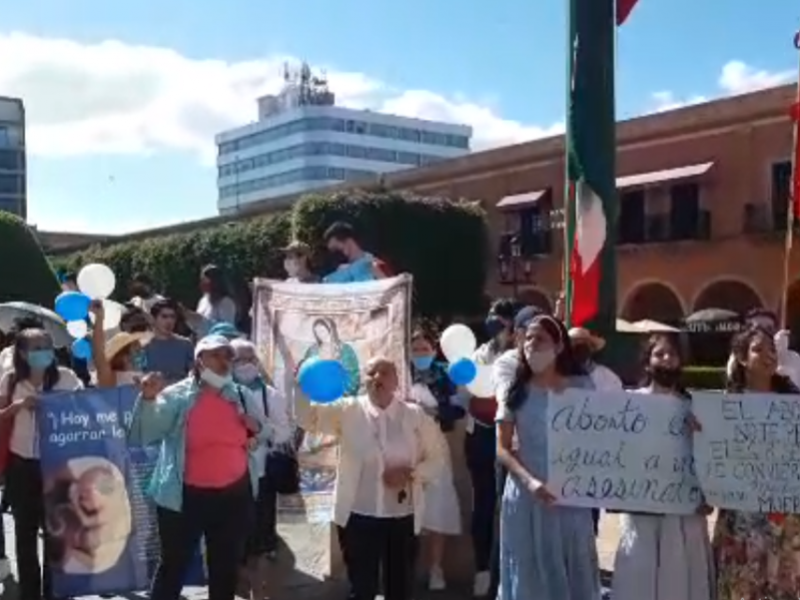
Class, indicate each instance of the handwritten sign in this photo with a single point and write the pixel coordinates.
(624, 451)
(748, 452)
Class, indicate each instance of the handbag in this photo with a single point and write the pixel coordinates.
(282, 470)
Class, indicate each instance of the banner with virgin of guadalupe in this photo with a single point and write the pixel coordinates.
(351, 323)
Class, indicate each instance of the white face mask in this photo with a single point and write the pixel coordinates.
(292, 267)
(214, 380)
(246, 373)
(540, 360)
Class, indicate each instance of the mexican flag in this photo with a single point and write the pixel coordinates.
(591, 195)
(795, 208)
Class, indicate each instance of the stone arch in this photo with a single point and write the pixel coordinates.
(656, 300)
(728, 293)
(535, 296)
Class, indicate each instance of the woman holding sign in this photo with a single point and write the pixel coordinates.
(661, 557)
(756, 554)
(35, 371)
(547, 552)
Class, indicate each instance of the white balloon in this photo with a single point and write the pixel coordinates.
(482, 386)
(113, 314)
(96, 281)
(458, 342)
(77, 329)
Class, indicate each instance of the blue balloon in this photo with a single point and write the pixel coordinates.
(82, 349)
(323, 381)
(462, 372)
(72, 306)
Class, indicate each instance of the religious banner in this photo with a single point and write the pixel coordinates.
(346, 322)
(623, 451)
(101, 522)
(747, 451)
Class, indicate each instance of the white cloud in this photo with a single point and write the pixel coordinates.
(740, 78)
(113, 97)
(736, 77)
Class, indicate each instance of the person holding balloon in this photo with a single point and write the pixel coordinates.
(437, 394)
(35, 371)
(480, 442)
(120, 360)
(390, 450)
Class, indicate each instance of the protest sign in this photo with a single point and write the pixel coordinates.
(620, 450)
(748, 451)
(102, 531)
(347, 322)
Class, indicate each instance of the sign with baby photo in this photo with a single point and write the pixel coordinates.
(101, 524)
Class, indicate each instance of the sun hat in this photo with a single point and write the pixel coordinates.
(118, 342)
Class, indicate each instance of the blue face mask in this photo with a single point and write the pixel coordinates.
(423, 363)
(39, 360)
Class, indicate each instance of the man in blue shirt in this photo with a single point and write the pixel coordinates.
(355, 263)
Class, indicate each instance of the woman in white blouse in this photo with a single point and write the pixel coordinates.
(35, 371)
(389, 450)
(216, 305)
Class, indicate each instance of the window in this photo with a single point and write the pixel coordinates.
(11, 160)
(781, 189)
(684, 214)
(631, 224)
(10, 184)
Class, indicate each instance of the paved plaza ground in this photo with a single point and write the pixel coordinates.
(606, 545)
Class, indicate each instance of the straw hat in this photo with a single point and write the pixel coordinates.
(122, 340)
(579, 335)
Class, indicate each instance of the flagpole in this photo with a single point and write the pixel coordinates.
(790, 209)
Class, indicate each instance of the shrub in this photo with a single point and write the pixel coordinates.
(443, 244)
(25, 273)
(704, 378)
(174, 261)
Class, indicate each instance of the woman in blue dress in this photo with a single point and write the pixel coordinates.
(547, 551)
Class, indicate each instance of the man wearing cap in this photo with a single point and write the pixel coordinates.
(296, 263)
(585, 345)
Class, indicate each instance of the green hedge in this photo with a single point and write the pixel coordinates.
(704, 378)
(25, 273)
(174, 261)
(443, 244)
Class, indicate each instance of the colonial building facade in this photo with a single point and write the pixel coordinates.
(704, 194)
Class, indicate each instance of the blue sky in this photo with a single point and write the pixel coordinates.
(124, 97)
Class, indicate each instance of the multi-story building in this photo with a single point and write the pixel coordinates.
(303, 141)
(703, 204)
(13, 189)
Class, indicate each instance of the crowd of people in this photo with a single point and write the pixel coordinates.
(228, 439)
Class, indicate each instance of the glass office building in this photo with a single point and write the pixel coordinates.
(13, 189)
(303, 141)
